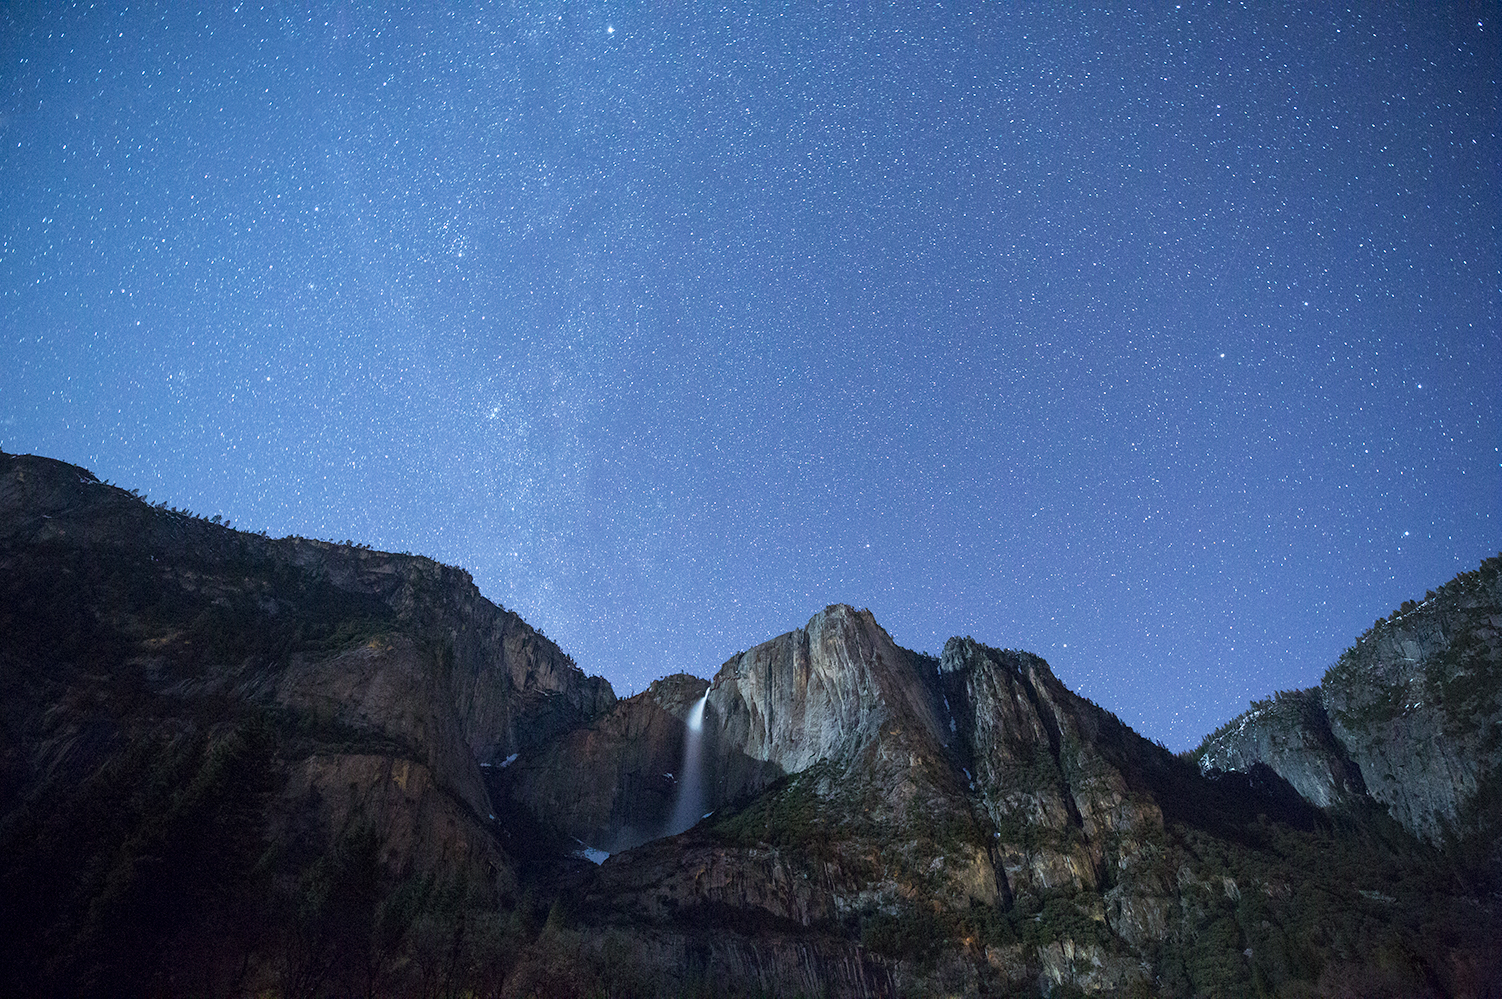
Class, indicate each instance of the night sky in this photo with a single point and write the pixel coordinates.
(1163, 342)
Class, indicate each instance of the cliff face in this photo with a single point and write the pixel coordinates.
(821, 692)
(1291, 734)
(482, 678)
(48, 507)
(835, 803)
(907, 818)
(1060, 779)
(835, 690)
(1417, 702)
(888, 823)
(369, 686)
(1410, 716)
(632, 756)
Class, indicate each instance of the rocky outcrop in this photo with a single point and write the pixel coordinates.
(864, 789)
(837, 690)
(1038, 754)
(47, 505)
(1409, 717)
(1290, 733)
(1417, 702)
(512, 687)
(818, 693)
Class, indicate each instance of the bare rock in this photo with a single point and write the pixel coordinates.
(1410, 716)
(1290, 733)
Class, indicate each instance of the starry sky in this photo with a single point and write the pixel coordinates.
(1162, 341)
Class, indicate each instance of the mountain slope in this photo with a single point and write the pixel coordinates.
(141, 648)
(888, 823)
(1409, 717)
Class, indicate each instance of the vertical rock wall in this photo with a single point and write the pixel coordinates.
(1409, 716)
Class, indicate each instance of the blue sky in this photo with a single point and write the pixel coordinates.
(1161, 341)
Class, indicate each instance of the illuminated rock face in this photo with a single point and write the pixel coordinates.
(820, 692)
(850, 777)
(829, 691)
(1408, 716)
(853, 780)
(1291, 734)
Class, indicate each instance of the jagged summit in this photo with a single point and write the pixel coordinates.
(821, 692)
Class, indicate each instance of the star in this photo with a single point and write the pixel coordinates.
(670, 356)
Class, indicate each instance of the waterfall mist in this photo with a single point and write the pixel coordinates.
(690, 805)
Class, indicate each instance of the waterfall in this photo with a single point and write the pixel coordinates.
(690, 805)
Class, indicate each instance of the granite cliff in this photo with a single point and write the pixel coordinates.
(1409, 718)
(238, 765)
(1289, 733)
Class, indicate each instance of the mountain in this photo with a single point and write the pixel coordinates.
(194, 721)
(887, 823)
(238, 765)
(1410, 717)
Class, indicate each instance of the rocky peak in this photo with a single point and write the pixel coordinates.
(675, 693)
(1408, 717)
(820, 692)
(49, 505)
(1056, 775)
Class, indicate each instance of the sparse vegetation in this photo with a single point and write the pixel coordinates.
(790, 813)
